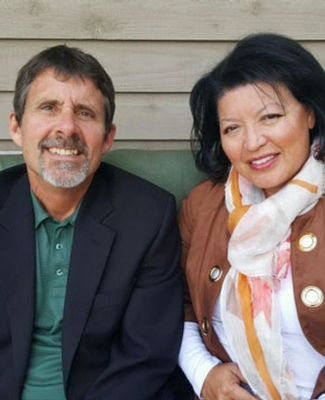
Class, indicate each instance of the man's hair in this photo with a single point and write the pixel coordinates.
(261, 58)
(68, 62)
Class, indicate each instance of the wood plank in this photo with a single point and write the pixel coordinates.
(153, 117)
(136, 66)
(160, 20)
(138, 116)
(8, 147)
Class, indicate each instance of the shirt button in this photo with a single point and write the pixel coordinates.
(59, 272)
(58, 246)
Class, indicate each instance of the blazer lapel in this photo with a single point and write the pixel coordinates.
(17, 249)
(91, 247)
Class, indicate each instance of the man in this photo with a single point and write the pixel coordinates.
(90, 292)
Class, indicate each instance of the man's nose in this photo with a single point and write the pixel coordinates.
(254, 138)
(67, 123)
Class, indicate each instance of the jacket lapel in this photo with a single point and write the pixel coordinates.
(17, 250)
(92, 243)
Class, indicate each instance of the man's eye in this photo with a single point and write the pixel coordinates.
(86, 114)
(47, 107)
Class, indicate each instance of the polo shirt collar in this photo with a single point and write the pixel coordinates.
(41, 214)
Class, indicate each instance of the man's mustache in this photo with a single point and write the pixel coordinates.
(71, 143)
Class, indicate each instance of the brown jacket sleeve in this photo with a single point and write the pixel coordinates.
(188, 216)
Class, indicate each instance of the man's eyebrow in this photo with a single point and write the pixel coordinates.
(48, 101)
(83, 105)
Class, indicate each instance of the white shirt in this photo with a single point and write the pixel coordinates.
(304, 361)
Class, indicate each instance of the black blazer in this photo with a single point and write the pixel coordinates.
(122, 321)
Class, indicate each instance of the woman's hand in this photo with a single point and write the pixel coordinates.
(223, 383)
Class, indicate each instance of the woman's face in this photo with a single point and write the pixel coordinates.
(265, 133)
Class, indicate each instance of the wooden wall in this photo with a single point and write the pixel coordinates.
(154, 50)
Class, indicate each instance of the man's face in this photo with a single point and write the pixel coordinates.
(62, 132)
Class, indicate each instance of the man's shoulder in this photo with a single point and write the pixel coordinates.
(124, 182)
(9, 176)
(133, 199)
(8, 179)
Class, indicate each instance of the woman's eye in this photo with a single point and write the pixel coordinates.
(272, 116)
(229, 129)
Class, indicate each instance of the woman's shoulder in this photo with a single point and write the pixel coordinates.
(206, 192)
(204, 196)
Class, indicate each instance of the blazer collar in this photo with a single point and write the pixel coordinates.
(93, 240)
(17, 243)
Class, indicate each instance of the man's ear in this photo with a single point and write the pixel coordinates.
(15, 130)
(109, 140)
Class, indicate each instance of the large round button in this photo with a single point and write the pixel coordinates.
(307, 242)
(312, 296)
(205, 326)
(215, 273)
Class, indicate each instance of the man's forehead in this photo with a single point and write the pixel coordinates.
(50, 75)
(50, 84)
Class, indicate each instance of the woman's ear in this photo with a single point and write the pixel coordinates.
(311, 118)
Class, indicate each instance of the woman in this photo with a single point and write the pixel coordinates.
(253, 235)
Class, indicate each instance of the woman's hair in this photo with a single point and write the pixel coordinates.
(260, 58)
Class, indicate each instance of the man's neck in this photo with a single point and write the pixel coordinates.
(60, 203)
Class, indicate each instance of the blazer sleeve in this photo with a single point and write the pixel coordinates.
(189, 215)
(144, 354)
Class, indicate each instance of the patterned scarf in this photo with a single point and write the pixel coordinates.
(258, 253)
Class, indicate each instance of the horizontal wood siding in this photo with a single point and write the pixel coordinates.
(138, 116)
(154, 50)
(150, 67)
(160, 19)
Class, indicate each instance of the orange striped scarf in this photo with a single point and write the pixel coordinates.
(258, 227)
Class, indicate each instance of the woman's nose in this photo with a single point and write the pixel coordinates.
(254, 138)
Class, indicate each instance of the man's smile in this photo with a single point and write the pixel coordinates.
(63, 152)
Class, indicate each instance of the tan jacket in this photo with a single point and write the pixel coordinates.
(203, 224)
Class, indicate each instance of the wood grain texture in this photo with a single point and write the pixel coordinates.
(8, 147)
(145, 67)
(160, 19)
(154, 50)
(138, 116)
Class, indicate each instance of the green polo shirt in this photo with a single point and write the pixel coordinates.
(44, 378)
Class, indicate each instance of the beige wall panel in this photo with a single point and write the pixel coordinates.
(153, 117)
(5, 109)
(8, 147)
(136, 66)
(138, 116)
(133, 66)
(161, 20)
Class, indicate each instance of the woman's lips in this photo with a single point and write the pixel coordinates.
(264, 162)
